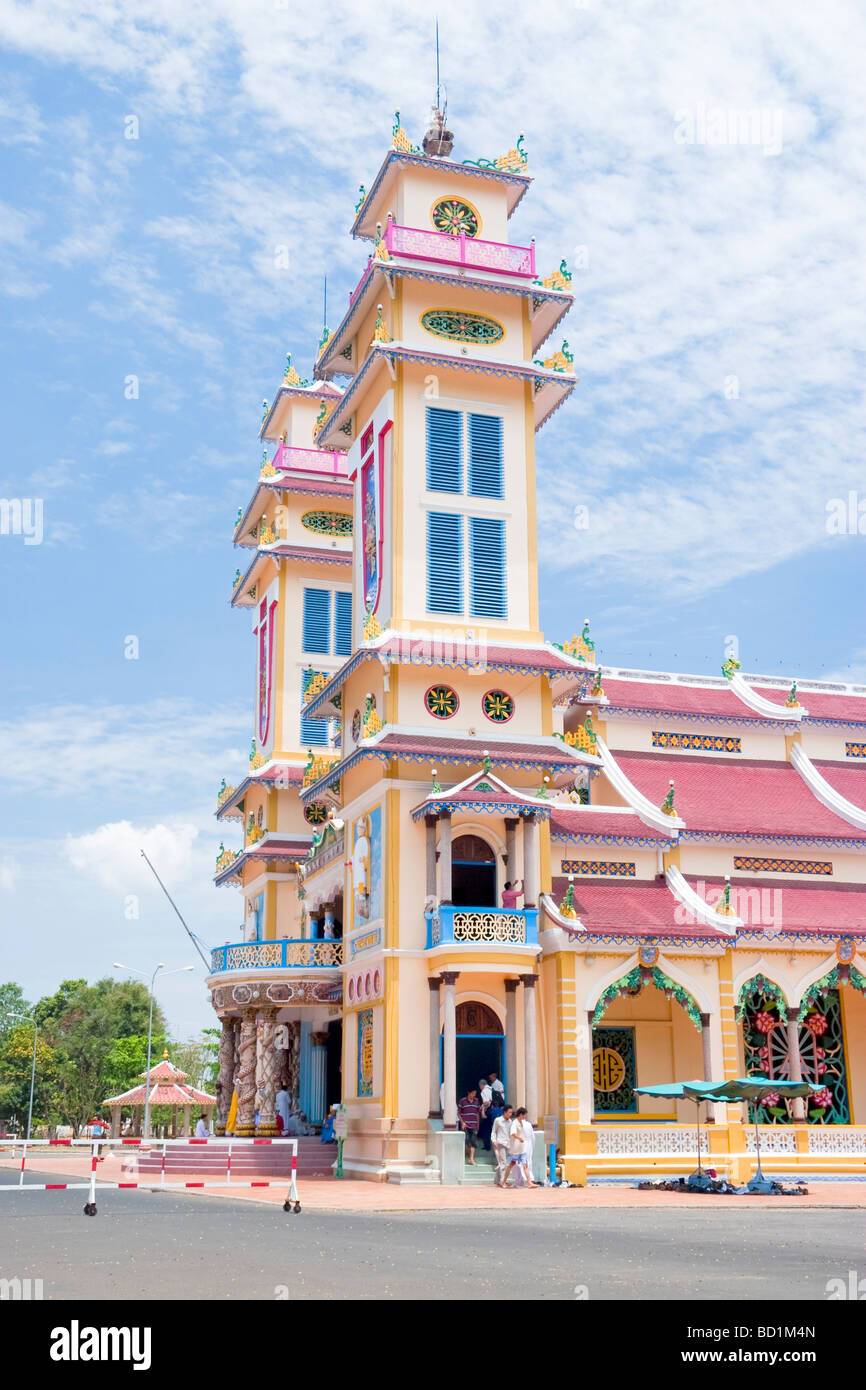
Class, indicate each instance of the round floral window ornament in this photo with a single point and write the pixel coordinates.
(316, 813)
(441, 701)
(460, 326)
(498, 706)
(456, 217)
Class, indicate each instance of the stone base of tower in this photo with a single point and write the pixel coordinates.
(379, 1149)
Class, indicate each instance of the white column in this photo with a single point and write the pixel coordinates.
(510, 848)
(530, 861)
(511, 1040)
(449, 1114)
(445, 858)
(435, 1103)
(530, 1060)
(431, 823)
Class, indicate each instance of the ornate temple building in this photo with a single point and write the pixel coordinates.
(689, 851)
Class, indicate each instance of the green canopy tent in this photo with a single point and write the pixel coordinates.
(755, 1089)
(684, 1090)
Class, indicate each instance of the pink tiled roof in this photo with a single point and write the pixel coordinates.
(472, 750)
(822, 704)
(585, 820)
(633, 907)
(847, 778)
(668, 697)
(165, 1071)
(736, 797)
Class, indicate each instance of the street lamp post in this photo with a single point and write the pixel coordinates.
(179, 971)
(28, 1019)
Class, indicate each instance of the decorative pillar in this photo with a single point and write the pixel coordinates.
(530, 1048)
(318, 1078)
(445, 859)
(795, 1061)
(530, 861)
(449, 1113)
(431, 822)
(115, 1122)
(511, 1039)
(185, 1130)
(511, 848)
(268, 1062)
(314, 925)
(225, 1082)
(245, 1084)
(435, 1111)
(328, 923)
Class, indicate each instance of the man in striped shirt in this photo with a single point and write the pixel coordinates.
(469, 1117)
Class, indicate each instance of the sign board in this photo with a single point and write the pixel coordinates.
(551, 1128)
(341, 1124)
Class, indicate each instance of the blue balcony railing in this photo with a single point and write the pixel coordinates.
(495, 926)
(275, 955)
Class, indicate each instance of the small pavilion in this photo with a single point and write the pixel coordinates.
(167, 1087)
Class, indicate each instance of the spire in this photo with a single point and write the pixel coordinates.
(438, 140)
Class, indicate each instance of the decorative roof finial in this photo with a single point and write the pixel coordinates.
(435, 789)
(792, 702)
(667, 805)
(438, 140)
(486, 763)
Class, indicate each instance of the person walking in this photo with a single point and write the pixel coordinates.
(500, 1135)
(486, 1095)
(469, 1118)
(521, 1136)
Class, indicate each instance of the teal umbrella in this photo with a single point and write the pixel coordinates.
(755, 1088)
(683, 1090)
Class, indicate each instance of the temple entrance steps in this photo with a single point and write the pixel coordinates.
(315, 1159)
(484, 1170)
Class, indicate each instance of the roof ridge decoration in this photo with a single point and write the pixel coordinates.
(572, 924)
(290, 377)
(582, 648)
(825, 792)
(726, 922)
(267, 469)
(583, 738)
(516, 161)
(560, 361)
(380, 246)
(557, 279)
(400, 140)
(257, 759)
(783, 714)
(380, 332)
(667, 805)
(659, 818)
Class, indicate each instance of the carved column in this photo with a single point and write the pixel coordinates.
(445, 859)
(314, 924)
(435, 1110)
(265, 1028)
(510, 848)
(328, 923)
(245, 1084)
(511, 1040)
(449, 1113)
(431, 822)
(530, 1048)
(795, 1062)
(225, 1084)
(318, 1077)
(530, 861)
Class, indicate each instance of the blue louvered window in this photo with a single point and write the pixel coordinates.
(487, 567)
(317, 620)
(485, 455)
(444, 452)
(314, 732)
(342, 624)
(444, 562)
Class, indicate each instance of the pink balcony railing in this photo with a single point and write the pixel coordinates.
(460, 250)
(310, 460)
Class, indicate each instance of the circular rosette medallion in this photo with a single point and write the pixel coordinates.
(454, 216)
(608, 1069)
(316, 813)
(498, 706)
(441, 701)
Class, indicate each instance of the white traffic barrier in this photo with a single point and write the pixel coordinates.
(55, 1147)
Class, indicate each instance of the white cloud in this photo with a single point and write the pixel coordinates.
(9, 873)
(112, 853)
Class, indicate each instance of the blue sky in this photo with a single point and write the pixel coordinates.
(717, 336)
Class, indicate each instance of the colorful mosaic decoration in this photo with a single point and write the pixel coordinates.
(819, 867)
(514, 162)
(560, 361)
(460, 327)
(328, 523)
(614, 1070)
(633, 983)
(316, 813)
(441, 701)
(456, 217)
(497, 706)
(604, 868)
(365, 1052)
(558, 279)
(706, 743)
(855, 750)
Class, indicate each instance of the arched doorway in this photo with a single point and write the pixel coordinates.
(473, 873)
(480, 1046)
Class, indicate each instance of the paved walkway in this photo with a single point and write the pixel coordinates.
(331, 1194)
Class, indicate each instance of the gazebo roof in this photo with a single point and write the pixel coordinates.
(166, 1088)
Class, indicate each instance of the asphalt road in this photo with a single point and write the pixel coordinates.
(163, 1246)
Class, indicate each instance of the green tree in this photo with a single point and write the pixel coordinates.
(16, 1061)
(12, 1001)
